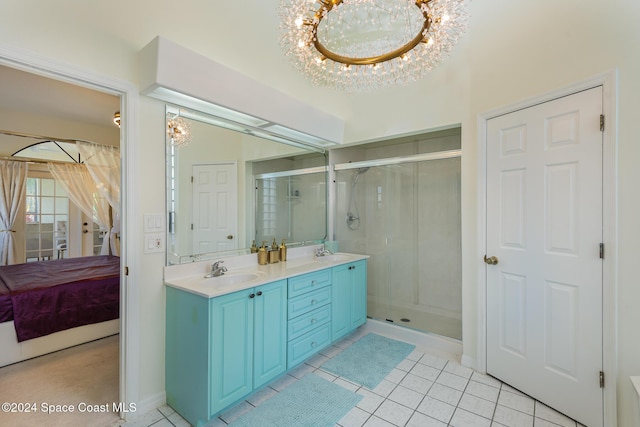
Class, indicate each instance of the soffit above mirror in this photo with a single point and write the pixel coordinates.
(174, 74)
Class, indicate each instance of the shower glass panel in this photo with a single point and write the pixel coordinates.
(292, 208)
(406, 217)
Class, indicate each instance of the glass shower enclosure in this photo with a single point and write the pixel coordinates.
(405, 214)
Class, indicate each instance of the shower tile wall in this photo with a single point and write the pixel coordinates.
(410, 226)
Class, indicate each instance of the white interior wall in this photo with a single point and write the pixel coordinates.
(513, 50)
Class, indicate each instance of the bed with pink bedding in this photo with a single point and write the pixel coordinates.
(51, 296)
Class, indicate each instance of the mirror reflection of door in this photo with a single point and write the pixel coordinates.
(215, 208)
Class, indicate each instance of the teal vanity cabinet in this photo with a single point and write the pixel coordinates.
(349, 298)
(220, 349)
(309, 327)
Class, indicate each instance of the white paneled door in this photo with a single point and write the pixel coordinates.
(544, 228)
(215, 208)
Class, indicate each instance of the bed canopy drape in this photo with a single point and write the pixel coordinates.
(83, 191)
(13, 178)
(103, 164)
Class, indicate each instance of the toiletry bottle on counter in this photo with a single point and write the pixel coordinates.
(283, 251)
(273, 253)
(262, 255)
(254, 248)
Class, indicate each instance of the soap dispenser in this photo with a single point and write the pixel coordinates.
(262, 254)
(254, 248)
(283, 251)
(273, 252)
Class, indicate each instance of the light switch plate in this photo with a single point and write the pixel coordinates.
(153, 243)
(153, 223)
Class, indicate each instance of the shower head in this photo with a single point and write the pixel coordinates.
(360, 171)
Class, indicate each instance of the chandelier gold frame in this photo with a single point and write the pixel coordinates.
(328, 5)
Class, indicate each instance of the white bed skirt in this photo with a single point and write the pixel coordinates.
(14, 351)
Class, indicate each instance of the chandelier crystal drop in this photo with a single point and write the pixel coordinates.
(179, 131)
(363, 45)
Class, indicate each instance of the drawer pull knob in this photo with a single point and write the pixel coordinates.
(252, 296)
(313, 282)
(313, 301)
(314, 344)
(259, 293)
(313, 321)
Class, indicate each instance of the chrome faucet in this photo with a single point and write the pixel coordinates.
(322, 251)
(217, 269)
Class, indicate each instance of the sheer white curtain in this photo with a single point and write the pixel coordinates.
(13, 179)
(103, 163)
(82, 191)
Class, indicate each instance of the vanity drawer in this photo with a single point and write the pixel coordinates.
(308, 282)
(307, 322)
(308, 344)
(309, 301)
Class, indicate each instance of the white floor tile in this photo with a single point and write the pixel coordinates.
(516, 401)
(425, 371)
(283, 382)
(370, 402)
(384, 389)
(471, 403)
(436, 409)
(326, 375)
(236, 412)
(462, 418)
(485, 379)
(394, 413)
(406, 365)
(458, 369)
(406, 397)
(433, 361)
(421, 420)
(395, 376)
(482, 391)
(355, 418)
(162, 423)
(347, 384)
(549, 414)
(261, 396)
(377, 422)
(512, 418)
(416, 383)
(445, 394)
(453, 381)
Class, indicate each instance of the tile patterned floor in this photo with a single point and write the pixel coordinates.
(422, 391)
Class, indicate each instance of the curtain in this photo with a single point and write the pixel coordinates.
(13, 179)
(103, 163)
(82, 191)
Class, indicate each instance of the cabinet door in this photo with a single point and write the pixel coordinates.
(231, 348)
(340, 301)
(358, 314)
(270, 332)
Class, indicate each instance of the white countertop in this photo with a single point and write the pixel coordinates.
(190, 277)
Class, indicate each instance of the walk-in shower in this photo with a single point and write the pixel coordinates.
(405, 214)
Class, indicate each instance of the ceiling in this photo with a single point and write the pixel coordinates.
(43, 106)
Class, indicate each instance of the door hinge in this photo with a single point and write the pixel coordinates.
(600, 129)
(126, 271)
(601, 122)
(601, 250)
(601, 379)
(192, 226)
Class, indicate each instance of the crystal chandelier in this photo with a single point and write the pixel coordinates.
(361, 45)
(179, 131)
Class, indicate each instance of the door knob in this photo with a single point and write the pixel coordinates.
(491, 260)
(230, 236)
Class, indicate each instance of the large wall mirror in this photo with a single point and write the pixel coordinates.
(227, 188)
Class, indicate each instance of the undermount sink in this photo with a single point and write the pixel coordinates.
(334, 258)
(230, 279)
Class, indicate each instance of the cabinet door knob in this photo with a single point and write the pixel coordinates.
(259, 293)
(313, 301)
(314, 344)
(313, 321)
(313, 283)
(252, 296)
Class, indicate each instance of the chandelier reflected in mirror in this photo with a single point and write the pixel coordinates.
(179, 131)
(361, 45)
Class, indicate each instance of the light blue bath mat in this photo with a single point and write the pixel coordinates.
(369, 360)
(309, 402)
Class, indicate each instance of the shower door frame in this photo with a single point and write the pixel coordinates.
(437, 155)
